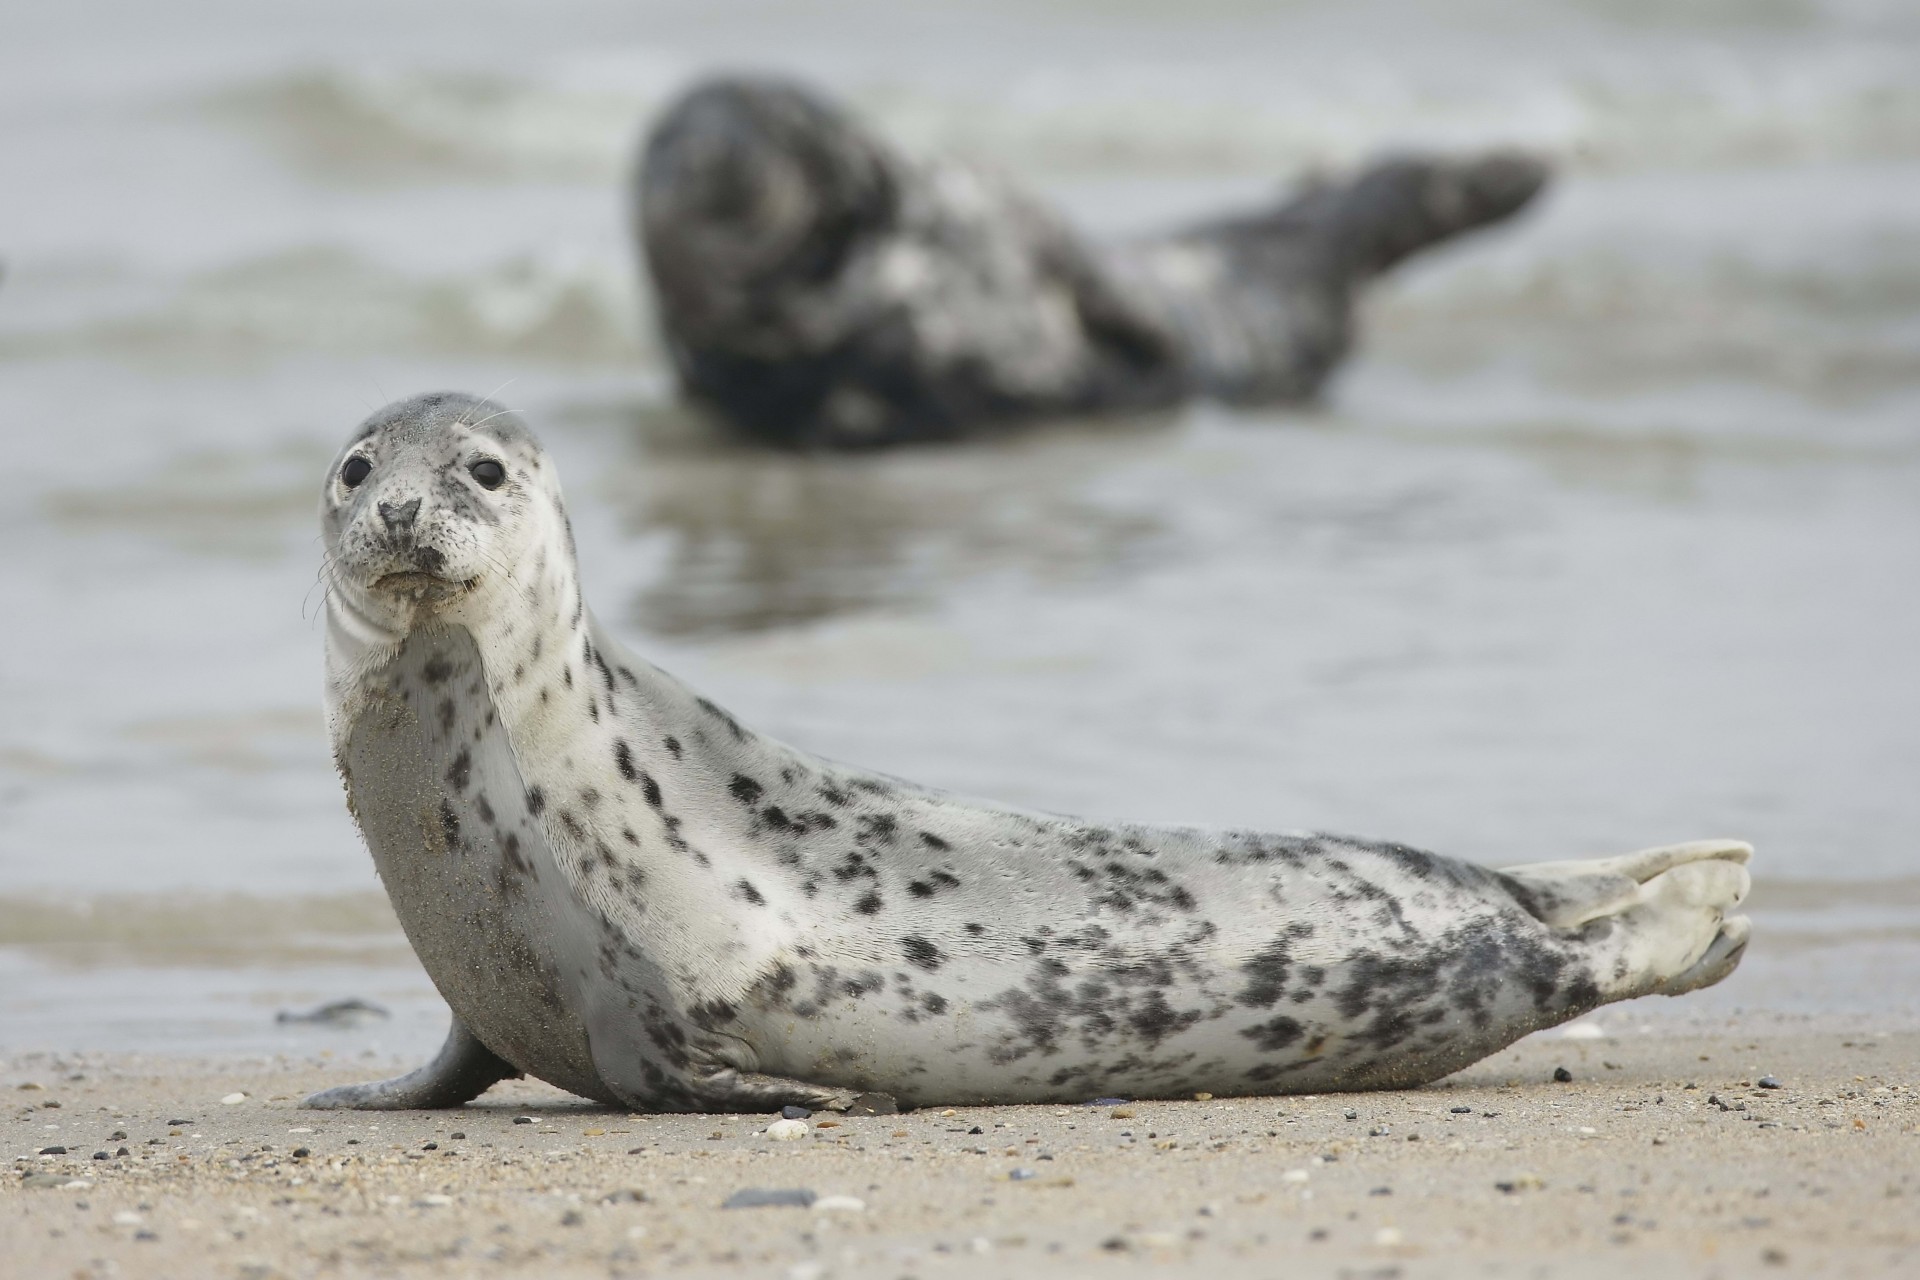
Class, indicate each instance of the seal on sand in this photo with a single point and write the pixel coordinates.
(819, 288)
(622, 890)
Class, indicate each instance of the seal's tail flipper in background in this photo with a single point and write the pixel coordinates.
(1401, 205)
(1657, 921)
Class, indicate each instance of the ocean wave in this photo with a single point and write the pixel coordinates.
(555, 308)
(581, 122)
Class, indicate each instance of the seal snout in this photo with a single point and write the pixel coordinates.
(399, 515)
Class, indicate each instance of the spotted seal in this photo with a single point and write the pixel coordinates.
(818, 287)
(623, 890)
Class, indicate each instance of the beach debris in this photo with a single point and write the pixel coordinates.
(31, 1086)
(1022, 1175)
(1389, 1237)
(1562, 1076)
(351, 1012)
(770, 1197)
(1121, 1113)
(1582, 1031)
(795, 1113)
(1295, 1175)
(839, 1204)
(54, 1182)
(788, 1130)
(1097, 1102)
(1520, 1182)
(874, 1104)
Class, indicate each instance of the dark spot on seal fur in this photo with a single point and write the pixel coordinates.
(869, 904)
(623, 759)
(672, 744)
(1274, 1034)
(745, 789)
(921, 953)
(436, 670)
(536, 801)
(744, 889)
(460, 771)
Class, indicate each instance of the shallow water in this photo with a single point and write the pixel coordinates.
(1607, 539)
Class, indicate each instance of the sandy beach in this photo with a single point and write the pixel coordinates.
(1661, 1156)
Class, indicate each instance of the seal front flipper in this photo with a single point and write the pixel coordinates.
(462, 1071)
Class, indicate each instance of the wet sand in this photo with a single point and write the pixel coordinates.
(1662, 1156)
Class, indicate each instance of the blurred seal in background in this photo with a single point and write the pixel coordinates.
(819, 288)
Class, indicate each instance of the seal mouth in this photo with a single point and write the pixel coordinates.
(415, 585)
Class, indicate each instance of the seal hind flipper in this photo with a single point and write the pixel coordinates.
(1658, 919)
(462, 1071)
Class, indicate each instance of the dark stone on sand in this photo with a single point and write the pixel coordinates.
(101, 1155)
(301, 1153)
(794, 1113)
(175, 1124)
(1352, 1114)
(1109, 1102)
(1461, 1111)
(53, 1151)
(457, 1135)
(976, 1129)
(770, 1197)
(1562, 1076)
(118, 1135)
(1768, 1082)
(523, 1119)
(335, 1013)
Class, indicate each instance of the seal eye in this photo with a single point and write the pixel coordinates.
(489, 473)
(354, 470)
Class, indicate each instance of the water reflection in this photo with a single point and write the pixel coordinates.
(759, 540)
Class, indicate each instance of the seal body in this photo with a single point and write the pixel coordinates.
(818, 287)
(621, 889)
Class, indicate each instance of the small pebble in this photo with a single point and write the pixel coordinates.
(976, 1129)
(1768, 1082)
(1097, 1102)
(770, 1197)
(301, 1153)
(1352, 1114)
(839, 1204)
(1120, 1113)
(1021, 1175)
(523, 1119)
(1461, 1111)
(1295, 1175)
(118, 1135)
(795, 1113)
(178, 1124)
(101, 1155)
(571, 1218)
(435, 1201)
(53, 1151)
(1562, 1076)
(456, 1135)
(233, 1099)
(788, 1130)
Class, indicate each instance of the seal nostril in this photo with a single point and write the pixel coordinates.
(400, 514)
(429, 559)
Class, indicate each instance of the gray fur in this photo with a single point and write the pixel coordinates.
(819, 288)
(622, 890)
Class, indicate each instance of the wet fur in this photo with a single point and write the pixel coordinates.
(621, 889)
